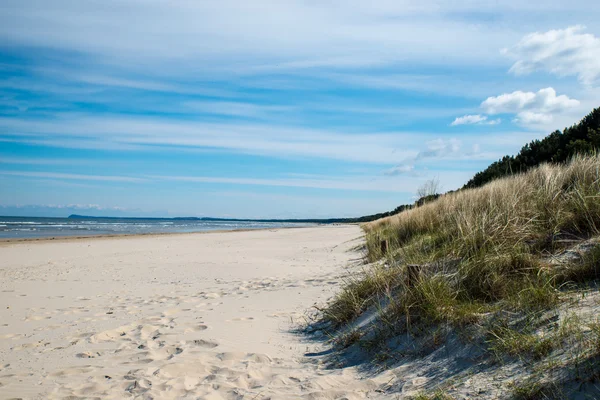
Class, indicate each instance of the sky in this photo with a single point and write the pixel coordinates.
(277, 108)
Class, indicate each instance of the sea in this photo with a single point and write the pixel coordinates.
(36, 227)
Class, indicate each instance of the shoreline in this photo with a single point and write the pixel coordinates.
(68, 238)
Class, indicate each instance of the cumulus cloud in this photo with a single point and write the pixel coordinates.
(561, 52)
(545, 100)
(528, 118)
(530, 107)
(476, 119)
(508, 102)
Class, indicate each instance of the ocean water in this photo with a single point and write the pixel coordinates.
(33, 227)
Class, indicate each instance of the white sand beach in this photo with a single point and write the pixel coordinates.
(203, 316)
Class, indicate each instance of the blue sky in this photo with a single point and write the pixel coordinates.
(276, 108)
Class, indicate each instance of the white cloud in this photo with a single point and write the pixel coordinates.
(508, 102)
(530, 107)
(468, 120)
(476, 119)
(400, 170)
(545, 100)
(561, 52)
(530, 118)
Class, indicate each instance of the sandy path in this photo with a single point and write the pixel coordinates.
(175, 316)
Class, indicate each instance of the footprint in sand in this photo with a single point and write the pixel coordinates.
(199, 328)
(47, 328)
(84, 335)
(207, 344)
(85, 369)
(31, 345)
(10, 336)
(172, 352)
(36, 318)
(143, 357)
(88, 354)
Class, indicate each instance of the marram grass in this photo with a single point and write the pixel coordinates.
(481, 251)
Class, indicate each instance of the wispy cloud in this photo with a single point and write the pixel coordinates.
(428, 83)
(400, 170)
(79, 177)
(437, 150)
(365, 183)
(272, 140)
(107, 78)
(42, 161)
(238, 109)
(357, 34)
(450, 149)
(353, 183)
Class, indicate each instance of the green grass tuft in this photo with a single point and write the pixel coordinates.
(534, 389)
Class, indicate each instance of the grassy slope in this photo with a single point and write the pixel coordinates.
(488, 272)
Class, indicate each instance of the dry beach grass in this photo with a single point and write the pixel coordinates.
(511, 267)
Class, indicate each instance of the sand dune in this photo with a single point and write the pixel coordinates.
(178, 316)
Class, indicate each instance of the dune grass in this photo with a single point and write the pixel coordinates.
(480, 253)
(437, 395)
